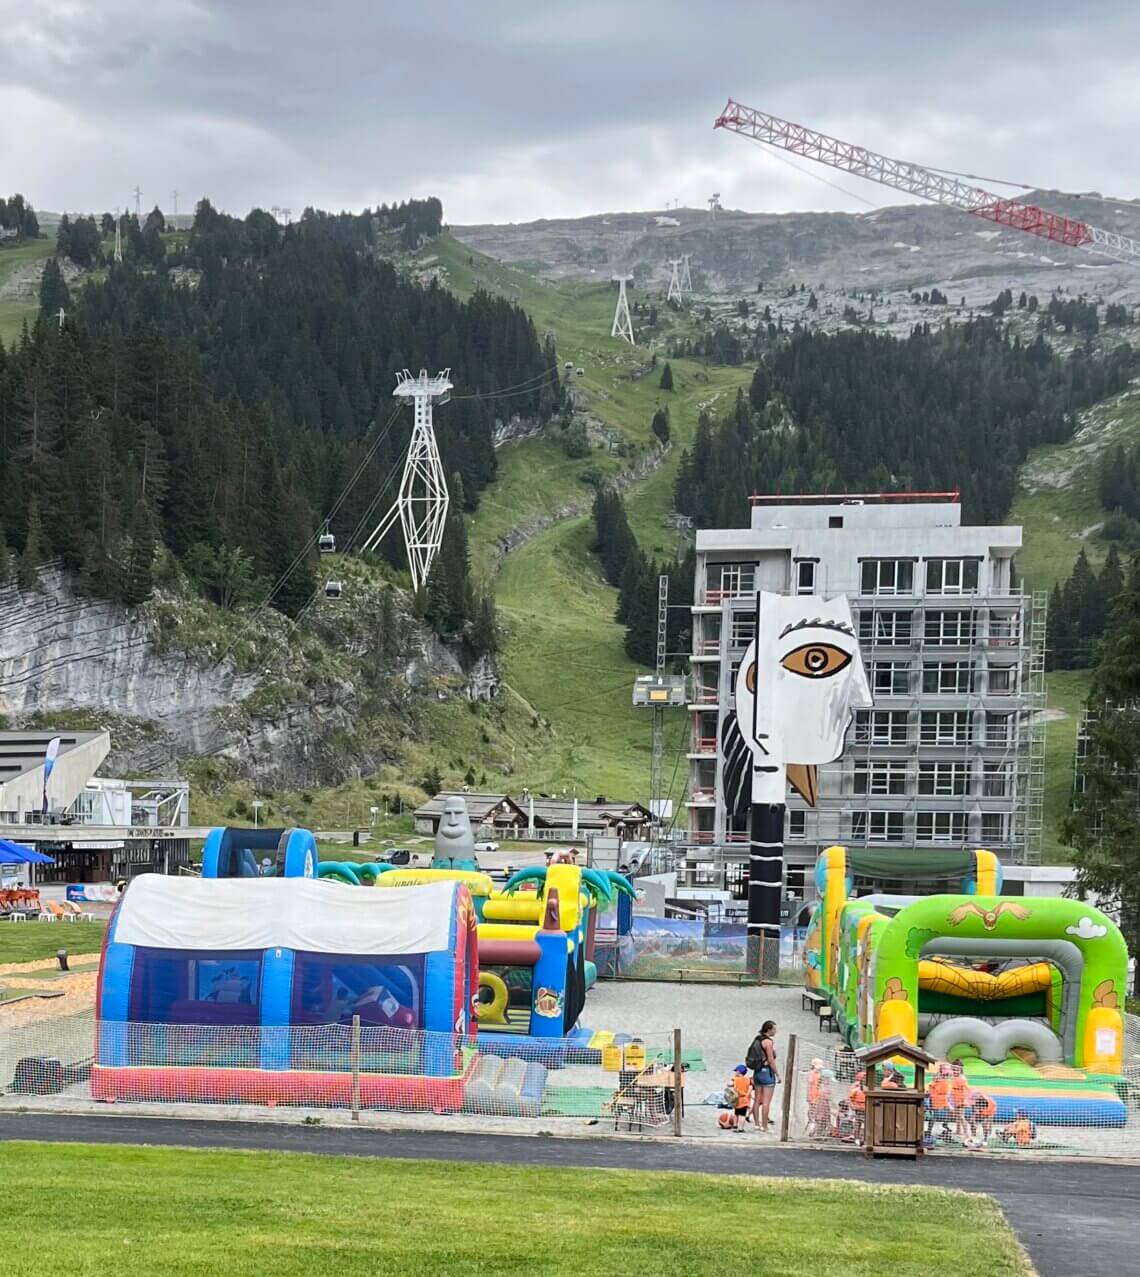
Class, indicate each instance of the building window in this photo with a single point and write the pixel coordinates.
(950, 629)
(1003, 680)
(732, 580)
(877, 826)
(834, 520)
(885, 629)
(951, 576)
(945, 727)
(995, 827)
(996, 779)
(998, 730)
(940, 826)
(890, 678)
(805, 576)
(879, 779)
(948, 678)
(881, 727)
(797, 826)
(888, 576)
(743, 628)
(1005, 629)
(794, 879)
(943, 780)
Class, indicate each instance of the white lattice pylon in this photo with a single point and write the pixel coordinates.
(623, 322)
(674, 293)
(421, 505)
(686, 275)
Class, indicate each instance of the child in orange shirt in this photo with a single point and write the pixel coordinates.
(938, 1103)
(1020, 1131)
(742, 1086)
(960, 1101)
(812, 1093)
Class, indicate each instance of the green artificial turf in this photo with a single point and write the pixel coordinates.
(27, 941)
(86, 1210)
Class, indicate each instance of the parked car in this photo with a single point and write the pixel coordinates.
(486, 846)
(397, 856)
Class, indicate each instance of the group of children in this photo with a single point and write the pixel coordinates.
(963, 1111)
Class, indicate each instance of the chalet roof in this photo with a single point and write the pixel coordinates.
(548, 812)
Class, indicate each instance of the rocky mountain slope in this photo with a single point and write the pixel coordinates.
(177, 680)
(907, 246)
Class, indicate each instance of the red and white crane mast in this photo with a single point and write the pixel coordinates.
(917, 180)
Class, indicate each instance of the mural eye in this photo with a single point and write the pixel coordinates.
(750, 678)
(816, 660)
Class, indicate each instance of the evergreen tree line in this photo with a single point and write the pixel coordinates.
(1101, 826)
(16, 214)
(958, 407)
(637, 578)
(1079, 612)
(1118, 487)
(232, 414)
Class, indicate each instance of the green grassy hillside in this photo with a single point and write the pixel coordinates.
(563, 658)
(1056, 502)
(1057, 506)
(14, 310)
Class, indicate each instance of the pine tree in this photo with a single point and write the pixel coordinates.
(138, 578)
(484, 634)
(660, 426)
(27, 571)
(54, 294)
(666, 377)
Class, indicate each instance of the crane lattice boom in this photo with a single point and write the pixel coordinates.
(916, 180)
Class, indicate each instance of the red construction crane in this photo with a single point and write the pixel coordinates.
(916, 180)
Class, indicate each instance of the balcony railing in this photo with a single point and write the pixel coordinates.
(704, 745)
(729, 592)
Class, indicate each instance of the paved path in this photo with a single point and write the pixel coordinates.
(1071, 1215)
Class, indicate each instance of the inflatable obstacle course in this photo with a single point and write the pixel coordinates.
(1026, 993)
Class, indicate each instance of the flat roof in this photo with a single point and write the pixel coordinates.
(853, 498)
(23, 752)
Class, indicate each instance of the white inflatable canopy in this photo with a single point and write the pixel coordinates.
(284, 913)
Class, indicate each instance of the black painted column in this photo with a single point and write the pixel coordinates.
(765, 887)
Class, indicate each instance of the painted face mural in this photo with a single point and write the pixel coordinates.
(799, 683)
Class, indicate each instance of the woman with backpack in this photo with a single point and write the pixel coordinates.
(761, 1059)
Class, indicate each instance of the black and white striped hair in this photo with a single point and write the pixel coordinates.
(736, 770)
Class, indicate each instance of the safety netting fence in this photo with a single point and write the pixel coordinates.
(621, 1082)
(970, 1107)
(690, 949)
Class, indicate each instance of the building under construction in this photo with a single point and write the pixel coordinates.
(952, 753)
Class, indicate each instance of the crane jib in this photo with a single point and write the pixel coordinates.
(917, 180)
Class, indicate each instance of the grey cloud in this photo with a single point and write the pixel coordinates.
(513, 109)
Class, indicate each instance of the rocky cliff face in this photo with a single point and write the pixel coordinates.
(300, 710)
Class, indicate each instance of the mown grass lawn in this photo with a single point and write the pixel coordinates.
(82, 1210)
(28, 941)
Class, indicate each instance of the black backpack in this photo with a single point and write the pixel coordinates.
(756, 1058)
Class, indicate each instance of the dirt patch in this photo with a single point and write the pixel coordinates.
(77, 987)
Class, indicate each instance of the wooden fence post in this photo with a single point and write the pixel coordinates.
(789, 1084)
(354, 1057)
(678, 1082)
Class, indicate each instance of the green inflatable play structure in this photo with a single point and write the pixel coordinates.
(1027, 993)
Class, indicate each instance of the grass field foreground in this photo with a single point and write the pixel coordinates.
(31, 941)
(87, 1211)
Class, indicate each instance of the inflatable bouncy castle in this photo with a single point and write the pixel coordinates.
(244, 989)
(1026, 993)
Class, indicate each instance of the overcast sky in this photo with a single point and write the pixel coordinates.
(512, 111)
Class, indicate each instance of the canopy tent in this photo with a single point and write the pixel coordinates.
(13, 854)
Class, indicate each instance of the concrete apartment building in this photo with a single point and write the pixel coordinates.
(952, 753)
